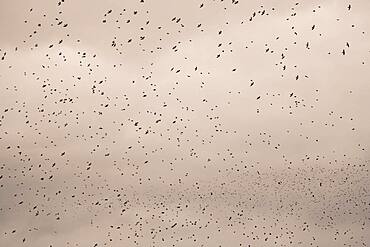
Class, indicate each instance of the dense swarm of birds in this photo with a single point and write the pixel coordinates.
(184, 123)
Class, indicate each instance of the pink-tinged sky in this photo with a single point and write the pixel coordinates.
(184, 123)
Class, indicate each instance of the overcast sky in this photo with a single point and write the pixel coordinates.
(184, 123)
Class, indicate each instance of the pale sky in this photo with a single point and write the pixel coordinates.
(184, 123)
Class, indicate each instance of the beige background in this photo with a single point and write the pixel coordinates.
(184, 123)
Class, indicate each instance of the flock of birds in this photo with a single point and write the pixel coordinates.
(184, 123)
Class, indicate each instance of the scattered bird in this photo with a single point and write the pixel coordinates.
(219, 123)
